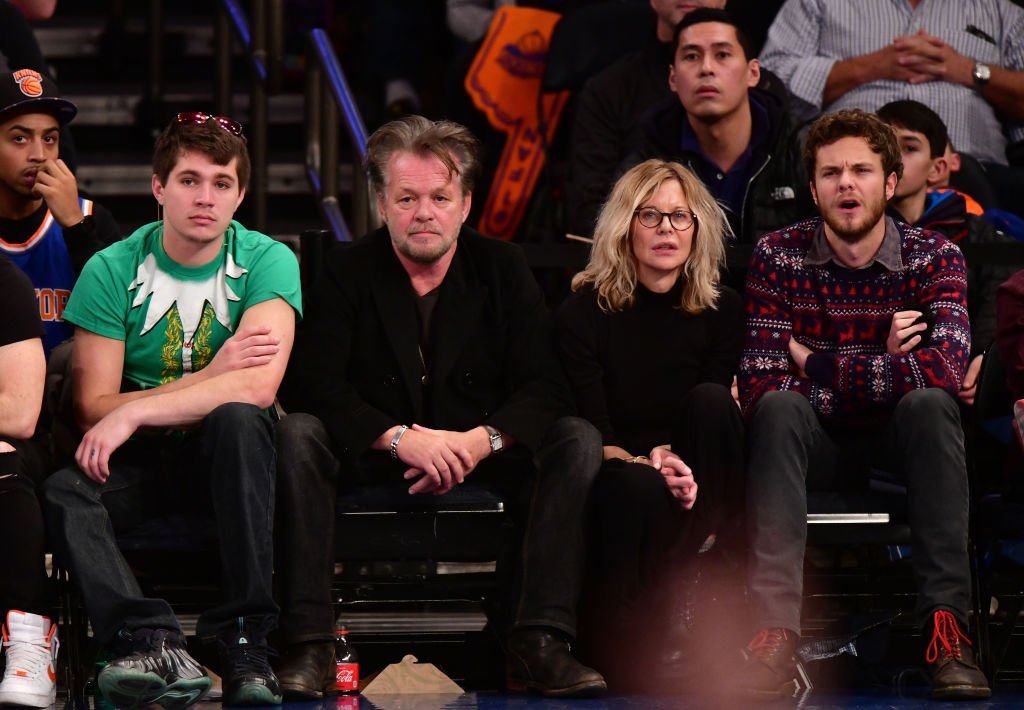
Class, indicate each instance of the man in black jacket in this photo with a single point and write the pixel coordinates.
(608, 108)
(737, 138)
(424, 361)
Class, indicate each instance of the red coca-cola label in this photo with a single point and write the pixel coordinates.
(347, 677)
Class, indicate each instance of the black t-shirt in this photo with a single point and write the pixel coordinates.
(21, 312)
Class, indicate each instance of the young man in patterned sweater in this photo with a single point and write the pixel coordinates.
(856, 344)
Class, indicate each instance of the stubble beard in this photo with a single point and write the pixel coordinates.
(424, 256)
(853, 232)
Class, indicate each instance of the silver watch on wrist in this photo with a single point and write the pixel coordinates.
(495, 436)
(981, 74)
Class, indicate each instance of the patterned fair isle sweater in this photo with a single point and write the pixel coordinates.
(844, 315)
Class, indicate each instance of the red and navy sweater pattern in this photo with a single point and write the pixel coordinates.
(844, 316)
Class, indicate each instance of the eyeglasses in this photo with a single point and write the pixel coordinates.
(651, 218)
(198, 118)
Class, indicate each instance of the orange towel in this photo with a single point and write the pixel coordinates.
(504, 83)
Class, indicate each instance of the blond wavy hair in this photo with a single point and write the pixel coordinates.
(611, 270)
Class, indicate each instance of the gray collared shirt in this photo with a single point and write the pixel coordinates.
(808, 38)
(888, 255)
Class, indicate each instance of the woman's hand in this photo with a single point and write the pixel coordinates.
(678, 476)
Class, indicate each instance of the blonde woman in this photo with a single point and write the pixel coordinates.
(650, 341)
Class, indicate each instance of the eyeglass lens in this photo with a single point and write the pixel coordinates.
(650, 218)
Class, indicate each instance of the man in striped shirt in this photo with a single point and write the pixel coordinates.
(965, 60)
(856, 342)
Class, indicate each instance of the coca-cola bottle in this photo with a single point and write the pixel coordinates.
(347, 663)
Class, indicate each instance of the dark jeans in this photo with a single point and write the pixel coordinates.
(227, 466)
(791, 452)
(22, 564)
(551, 571)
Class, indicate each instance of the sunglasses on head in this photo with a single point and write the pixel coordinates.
(198, 118)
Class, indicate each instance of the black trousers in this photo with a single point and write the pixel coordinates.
(642, 544)
(791, 452)
(547, 493)
(22, 566)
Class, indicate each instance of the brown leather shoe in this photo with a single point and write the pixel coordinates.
(951, 662)
(540, 662)
(307, 671)
(771, 670)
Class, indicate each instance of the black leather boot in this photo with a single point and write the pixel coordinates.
(539, 661)
(307, 671)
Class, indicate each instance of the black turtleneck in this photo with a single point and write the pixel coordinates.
(628, 369)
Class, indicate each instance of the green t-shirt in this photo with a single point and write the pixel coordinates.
(174, 318)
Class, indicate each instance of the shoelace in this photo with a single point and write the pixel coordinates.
(251, 658)
(767, 642)
(946, 638)
(32, 658)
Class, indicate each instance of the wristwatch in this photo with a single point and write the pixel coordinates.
(495, 436)
(981, 74)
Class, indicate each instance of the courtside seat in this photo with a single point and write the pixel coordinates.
(378, 522)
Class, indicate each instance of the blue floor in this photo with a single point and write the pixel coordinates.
(1004, 697)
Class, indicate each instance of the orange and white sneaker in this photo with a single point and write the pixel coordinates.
(30, 642)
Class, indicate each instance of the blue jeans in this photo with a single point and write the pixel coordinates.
(226, 467)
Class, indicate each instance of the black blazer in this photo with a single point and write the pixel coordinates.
(356, 363)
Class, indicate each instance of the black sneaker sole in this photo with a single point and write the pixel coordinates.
(129, 689)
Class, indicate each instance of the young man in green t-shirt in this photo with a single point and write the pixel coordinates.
(183, 331)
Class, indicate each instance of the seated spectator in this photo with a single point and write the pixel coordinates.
(30, 638)
(738, 139)
(182, 334)
(19, 48)
(1010, 341)
(964, 60)
(923, 140)
(840, 375)
(424, 362)
(608, 108)
(46, 228)
(1010, 336)
(665, 412)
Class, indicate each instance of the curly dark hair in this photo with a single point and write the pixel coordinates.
(858, 124)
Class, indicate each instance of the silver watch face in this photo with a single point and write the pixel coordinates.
(981, 73)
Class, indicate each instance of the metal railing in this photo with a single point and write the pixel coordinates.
(264, 50)
(328, 99)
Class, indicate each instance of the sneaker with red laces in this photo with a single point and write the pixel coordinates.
(951, 662)
(771, 670)
(30, 642)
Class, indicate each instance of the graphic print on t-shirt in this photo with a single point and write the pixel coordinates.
(187, 310)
